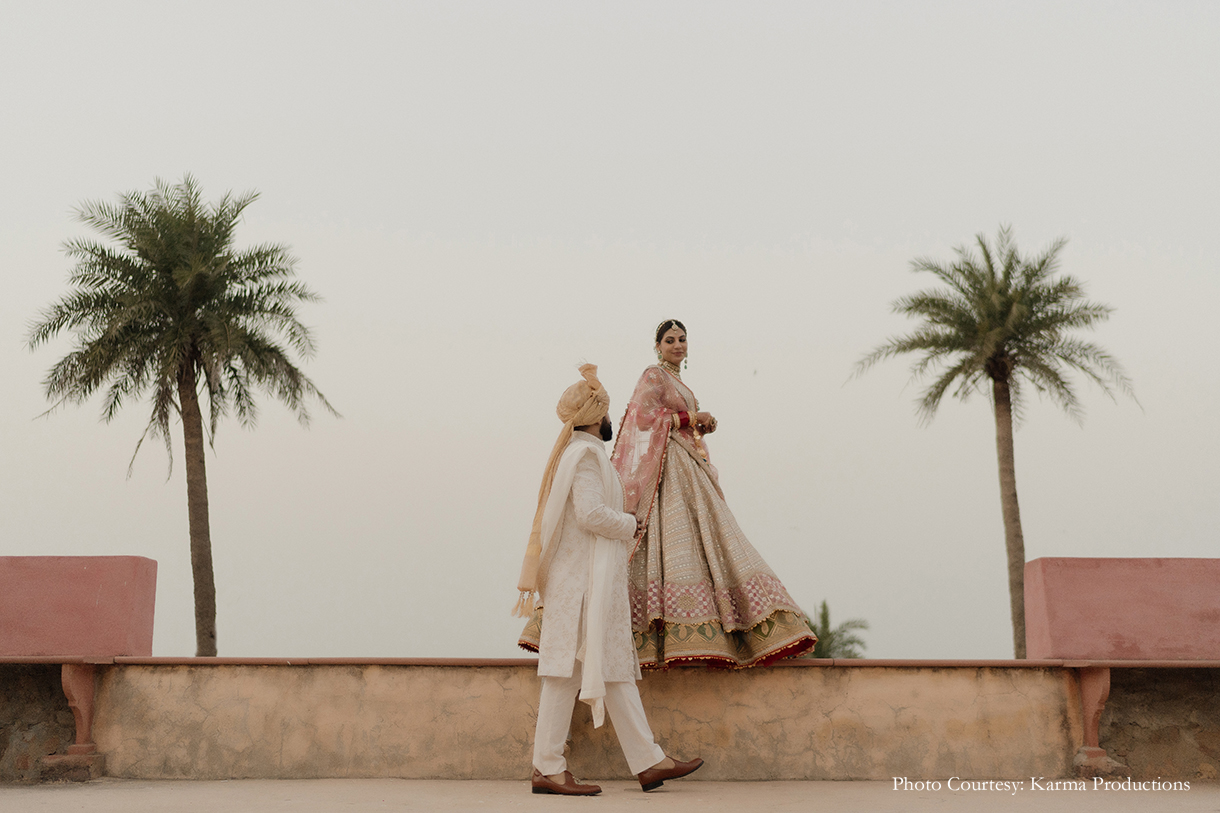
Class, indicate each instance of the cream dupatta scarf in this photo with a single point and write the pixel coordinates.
(585, 402)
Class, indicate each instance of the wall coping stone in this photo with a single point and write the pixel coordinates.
(122, 660)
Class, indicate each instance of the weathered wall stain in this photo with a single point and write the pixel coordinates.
(825, 722)
(238, 721)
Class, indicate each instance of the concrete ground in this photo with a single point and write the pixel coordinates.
(678, 796)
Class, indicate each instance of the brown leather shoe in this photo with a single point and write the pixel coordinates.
(569, 787)
(655, 777)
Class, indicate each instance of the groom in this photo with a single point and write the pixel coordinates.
(576, 562)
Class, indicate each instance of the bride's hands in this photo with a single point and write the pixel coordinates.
(705, 422)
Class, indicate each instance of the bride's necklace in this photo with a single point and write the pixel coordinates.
(671, 368)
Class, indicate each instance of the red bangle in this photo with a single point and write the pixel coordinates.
(683, 420)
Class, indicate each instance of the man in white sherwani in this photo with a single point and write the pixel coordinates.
(577, 564)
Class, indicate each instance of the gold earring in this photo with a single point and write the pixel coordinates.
(658, 355)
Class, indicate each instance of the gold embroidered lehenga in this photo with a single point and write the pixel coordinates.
(699, 590)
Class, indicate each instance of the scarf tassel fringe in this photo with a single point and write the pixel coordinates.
(525, 605)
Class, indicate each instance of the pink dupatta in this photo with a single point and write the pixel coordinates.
(643, 437)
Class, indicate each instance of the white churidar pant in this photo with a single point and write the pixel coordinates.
(623, 704)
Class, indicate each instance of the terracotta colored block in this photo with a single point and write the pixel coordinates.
(72, 767)
(77, 605)
(1122, 609)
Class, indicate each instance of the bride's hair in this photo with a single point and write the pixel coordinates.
(668, 324)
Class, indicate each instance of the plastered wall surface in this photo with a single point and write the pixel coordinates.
(257, 721)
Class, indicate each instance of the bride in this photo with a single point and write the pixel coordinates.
(699, 590)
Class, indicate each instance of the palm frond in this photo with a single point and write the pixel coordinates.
(836, 642)
(168, 289)
(1001, 316)
(956, 374)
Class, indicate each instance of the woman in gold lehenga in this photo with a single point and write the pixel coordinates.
(699, 590)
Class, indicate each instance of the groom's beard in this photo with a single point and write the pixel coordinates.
(607, 431)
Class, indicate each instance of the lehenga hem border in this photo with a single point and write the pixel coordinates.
(715, 619)
(718, 662)
(714, 662)
(802, 643)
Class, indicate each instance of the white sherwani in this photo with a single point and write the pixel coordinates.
(586, 646)
(584, 559)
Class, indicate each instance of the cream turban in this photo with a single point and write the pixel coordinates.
(582, 404)
(585, 402)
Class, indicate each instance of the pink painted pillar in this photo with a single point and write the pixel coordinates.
(79, 684)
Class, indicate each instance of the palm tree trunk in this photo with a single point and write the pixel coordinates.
(1014, 540)
(197, 511)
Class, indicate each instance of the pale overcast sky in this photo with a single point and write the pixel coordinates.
(488, 194)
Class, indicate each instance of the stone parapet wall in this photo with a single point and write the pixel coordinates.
(804, 721)
(296, 722)
(857, 723)
(160, 718)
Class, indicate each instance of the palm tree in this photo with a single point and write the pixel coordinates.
(1004, 323)
(840, 641)
(171, 308)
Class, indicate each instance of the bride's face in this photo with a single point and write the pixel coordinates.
(673, 345)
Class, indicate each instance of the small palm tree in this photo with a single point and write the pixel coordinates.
(840, 641)
(1003, 324)
(171, 308)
